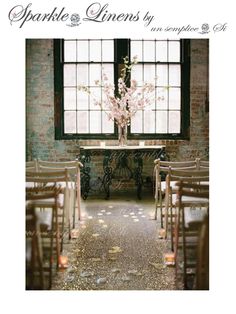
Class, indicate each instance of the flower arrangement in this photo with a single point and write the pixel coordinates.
(121, 105)
(129, 99)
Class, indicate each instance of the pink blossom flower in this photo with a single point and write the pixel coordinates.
(120, 108)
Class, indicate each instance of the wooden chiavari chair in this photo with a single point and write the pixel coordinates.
(172, 177)
(161, 169)
(42, 235)
(49, 179)
(192, 206)
(73, 168)
(202, 272)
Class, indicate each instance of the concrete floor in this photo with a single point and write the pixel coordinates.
(117, 248)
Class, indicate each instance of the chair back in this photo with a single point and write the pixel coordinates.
(192, 210)
(31, 165)
(161, 169)
(73, 170)
(47, 177)
(204, 164)
(189, 175)
(73, 167)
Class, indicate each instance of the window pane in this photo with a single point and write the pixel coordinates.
(95, 95)
(95, 50)
(149, 73)
(108, 50)
(174, 75)
(107, 125)
(70, 51)
(69, 75)
(174, 98)
(70, 121)
(161, 98)
(174, 51)
(70, 98)
(161, 121)
(82, 100)
(95, 121)
(108, 69)
(82, 74)
(136, 49)
(174, 122)
(161, 74)
(149, 51)
(161, 51)
(137, 74)
(136, 123)
(82, 121)
(94, 73)
(149, 121)
(82, 51)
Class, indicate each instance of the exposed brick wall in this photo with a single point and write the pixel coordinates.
(40, 142)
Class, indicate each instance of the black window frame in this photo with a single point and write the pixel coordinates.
(121, 50)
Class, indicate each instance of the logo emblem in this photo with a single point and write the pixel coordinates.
(205, 29)
(75, 19)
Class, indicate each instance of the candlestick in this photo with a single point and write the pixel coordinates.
(63, 261)
(74, 233)
(161, 233)
(169, 259)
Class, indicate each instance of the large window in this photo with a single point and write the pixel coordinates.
(160, 65)
(84, 62)
(164, 63)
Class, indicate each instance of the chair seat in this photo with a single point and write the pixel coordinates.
(163, 185)
(44, 218)
(194, 216)
(29, 184)
(63, 184)
(174, 188)
(49, 202)
(191, 201)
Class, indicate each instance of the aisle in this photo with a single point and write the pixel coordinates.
(117, 249)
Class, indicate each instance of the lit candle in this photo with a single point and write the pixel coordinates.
(63, 261)
(74, 233)
(161, 233)
(169, 259)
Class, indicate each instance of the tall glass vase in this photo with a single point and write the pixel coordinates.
(122, 135)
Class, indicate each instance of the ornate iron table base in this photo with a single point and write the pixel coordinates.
(119, 163)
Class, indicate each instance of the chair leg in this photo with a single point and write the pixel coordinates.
(51, 249)
(156, 203)
(60, 234)
(40, 262)
(78, 194)
(166, 213)
(161, 211)
(74, 205)
(171, 228)
(71, 211)
(32, 263)
(176, 242)
(58, 247)
(184, 250)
